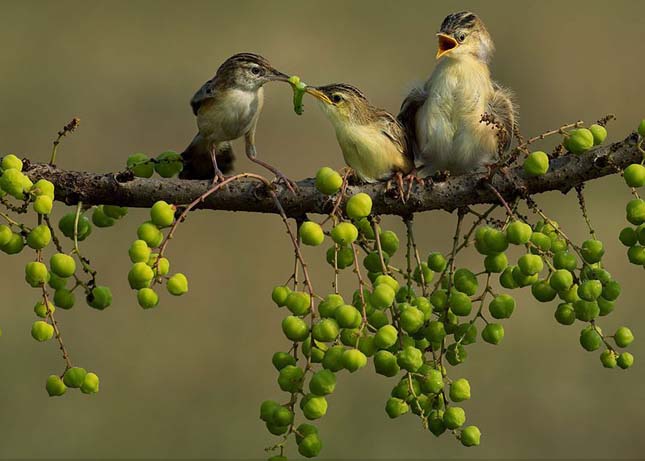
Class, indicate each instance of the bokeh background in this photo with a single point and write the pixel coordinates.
(186, 379)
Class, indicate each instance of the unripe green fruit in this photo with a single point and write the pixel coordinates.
(55, 386)
(635, 211)
(495, 240)
(5, 235)
(100, 297)
(74, 377)
(460, 390)
(404, 294)
(344, 233)
(147, 298)
(423, 304)
(460, 304)
(39, 237)
(590, 340)
(590, 290)
(36, 274)
(64, 298)
(470, 436)
(424, 270)
(410, 358)
(640, 234)
(495, 263)
(367, 346)
(349, 336)
(636, 255)
(295, 328)
(139, 252)
(43, 204)
(140, 276)
(280, 294)
(435, 422)
(506, 279)
(276, 430)
(634, 175)
(41, 310)
(565, 260)
(162, 214)
(608, 358)
(43, 187)
(378, 319)
(290, 378)
(387, 280)
(328, 181)
(150, 234)
(310, 446)
(160, 266)
(454, 417)
(168, 164)
(328, 306)
(313, 406)
(365, 228)
(579, 141)
(586, 310)
(303, 430)
(565, 314)
(599, 134)
(530, 264)
(411, 320)
(282, 359)
(177, 285)
(542, 291)
(439, 300)
(42, 331)
(267, 408)
(625, 360)
(323, 382)
(311, 233)
(298, 302)
(592, 251)
(466, 333)
(66, 226)
(396, 407)
(382, 296)
(344, 258)
(518, 233)
(386, 337)
(11, 162)
(502, 306)
(435, 331)
(623, 337)
(359, 206)
(114, 211)
(437, 262)
(480, 240)
(641, 129)
(13, 183)
(432, 382)
(282, 416)
(541, 241)
(90, 384)
(140, 165)
(465, 281)
(536, 164)
(100, 219)
(558, 244)
(326, 330)
(385, 364)
(493, 333)
(333, 359)
(62, 265)
(348, 316)
(606, 307)
(353, 359)
(372, 261)
(389, 242)
(523, 280)
(561, 280)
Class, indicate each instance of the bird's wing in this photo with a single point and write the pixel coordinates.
(408, 114)
(206, 92)
(391, 128)
(502, 107)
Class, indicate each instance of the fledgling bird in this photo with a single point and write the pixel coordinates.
(227, 107)
(373, 142)
(443, 118)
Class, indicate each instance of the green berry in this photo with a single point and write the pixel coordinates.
(282, 416)
(389, 242)
(382, 296)
(590, 290)
(5, 235)
(150, 234)
(396, 407)
(530, 264)
(295, 328)
(100, 297)
(636, 255)
(565, 260)
(590, 340)
(41, 310)
(561, 280)
(493, 333)
(162, 264)
(333, 358)
(359, 206)
(290, 378)
(43, 204)
(641, 129)
(55, 386)
(140, 165)
(372, 261)
(502, 306)
(460, 303)
(565, 314)
(140, 275)
(522, 279)
(328, 181)
(74, 377)
(344, 257)
(635, 211)
(66, 226)
(410, 358)
(579, 141)
(625, 360)
(13, 183)
(100, 219)
(298, 302)
(386, 337)
(495, 263)
(114, 211)
(454, 417)
(311, 233)
(348, 316)
(344, 233)
(465, 281)
(460, 390)
(139, 252)
(435, 331)
(599, 134)
(323, 382)
(147, 298)
(506, 279)
(162, 214)
(280, 294)
(62, 265)
(634, 175)
(411, 320)
(43, 187)
(11, 162)
(424, 270)
(168, 164)
(592, 251)
(542, 291)
(385, 364)
(623, 337)
(365, 228)
(282, 359)
(586, 311)
(42, 331)
(90, 384)
(64, 298)
(518, 233)
(605, 307)
(177, 284)
(313, 406)
(437, 262)
(36, 274)
(432, 381)
(353, 359)
(541, 241)
(387, 280)
(470, 436)
(435, 422)
(608, 358)
(328, 306)
(326, 330)
(536, 164)
(310, 446)
(303, 430)
(39, 237)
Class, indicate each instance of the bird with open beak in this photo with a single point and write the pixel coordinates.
(373, 142)
(443, 117)
(227, 107)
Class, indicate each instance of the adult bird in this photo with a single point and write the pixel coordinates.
(443, 117)
(227, 107)
(373, 142)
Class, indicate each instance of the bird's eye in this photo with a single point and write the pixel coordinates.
(336, 98)
(461, 37)
(255, 70)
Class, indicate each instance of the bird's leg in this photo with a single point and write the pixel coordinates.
(219, 176)
(413, 177)
(400, 191)
(252, 155)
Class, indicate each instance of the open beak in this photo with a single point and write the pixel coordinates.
(316, 93)
(446, 43)
(278, 76)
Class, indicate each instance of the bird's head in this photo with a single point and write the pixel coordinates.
(249, 71)
(462, 34)
(342, 103)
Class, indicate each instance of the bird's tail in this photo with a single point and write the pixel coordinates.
(198, 163)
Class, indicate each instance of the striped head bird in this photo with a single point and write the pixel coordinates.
(443, 117)
(227, 107)
(373, 142)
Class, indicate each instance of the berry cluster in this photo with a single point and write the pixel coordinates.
(167, 164)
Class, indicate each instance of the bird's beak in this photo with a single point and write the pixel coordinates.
(446, 44)
(278, 76)
(316, 93)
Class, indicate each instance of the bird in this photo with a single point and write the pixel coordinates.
(372, 141)
(227, 107)
(444, 118)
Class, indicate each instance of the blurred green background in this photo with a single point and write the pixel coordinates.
(186, 379)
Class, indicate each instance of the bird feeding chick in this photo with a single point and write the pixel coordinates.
(444, 117)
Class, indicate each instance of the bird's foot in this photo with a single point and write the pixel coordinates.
(218, 178)
(413, 177)
(397, 191)
(289, 184)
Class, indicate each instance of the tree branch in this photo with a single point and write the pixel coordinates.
(123, 189)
